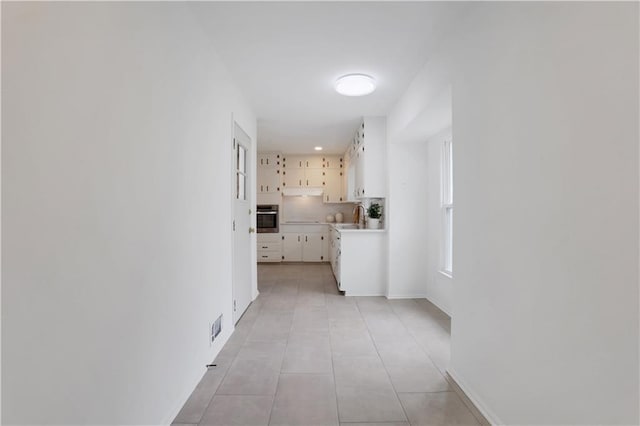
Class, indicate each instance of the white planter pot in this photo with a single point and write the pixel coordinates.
(373, 223)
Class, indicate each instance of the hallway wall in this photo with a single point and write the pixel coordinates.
(545, 129)
(116, 189)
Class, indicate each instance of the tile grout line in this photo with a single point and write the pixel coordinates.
(452, 386)
(275, 394)
(422, 348)
(333, 370)
(406, 416)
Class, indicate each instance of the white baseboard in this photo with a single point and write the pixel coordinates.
(439, 305)
(489, 415)
(406, 296)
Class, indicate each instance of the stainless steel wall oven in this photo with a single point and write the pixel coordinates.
(268, 219)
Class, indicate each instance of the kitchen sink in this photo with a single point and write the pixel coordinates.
(347, 226)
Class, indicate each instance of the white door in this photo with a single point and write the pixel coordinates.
(241, 223)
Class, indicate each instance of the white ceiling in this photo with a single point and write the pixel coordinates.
(285, 57)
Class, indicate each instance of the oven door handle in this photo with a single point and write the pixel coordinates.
(267, 213)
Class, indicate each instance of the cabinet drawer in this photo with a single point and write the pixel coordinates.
(269, 246)
(269, 256)
(268, 238)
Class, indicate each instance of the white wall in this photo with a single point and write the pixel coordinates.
(116, 189)
(415, 219)
(545, 129)
(313, 209)
(408, 235)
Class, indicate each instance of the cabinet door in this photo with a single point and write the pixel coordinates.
(332, 162)
(360, 172)
(292, 247)
(271, 181)
(313, 178)
(293, 178)
(293, 162)
(268, 180)
(268, 159)
(260, 180)
(312, 248)
(333, 186)
(313, 162)
(324, 238)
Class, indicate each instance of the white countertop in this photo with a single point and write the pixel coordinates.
(336, 226)
(333, 226)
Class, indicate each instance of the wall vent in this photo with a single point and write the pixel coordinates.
(217, 327)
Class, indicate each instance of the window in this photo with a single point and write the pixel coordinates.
(447, 208)
(241, 172)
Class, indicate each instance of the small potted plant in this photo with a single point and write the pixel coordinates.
(374, 212)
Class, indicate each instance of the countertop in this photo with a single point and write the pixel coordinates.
(333, 226)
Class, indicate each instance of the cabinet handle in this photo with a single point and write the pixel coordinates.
(267, 188)
(327, 198)
(300, 182)
(261, 188)
(267, 161)
(264, 247)
(264, 257)
(307, 164)
(300, 162)
(307, 182)
(261, 163)
(298, 238)
(305, 238)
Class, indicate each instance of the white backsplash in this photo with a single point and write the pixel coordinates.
(312, 209)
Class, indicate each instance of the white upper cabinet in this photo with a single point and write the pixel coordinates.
(269, 159)
(294, 161)
(268, 180)
(367, 171)
(293, 178)
(332, 185)
(315, 171)
(314, 177)
(314, 162)
(268, 175)
(332, 162)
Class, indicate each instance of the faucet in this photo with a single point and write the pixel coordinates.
(356, 214)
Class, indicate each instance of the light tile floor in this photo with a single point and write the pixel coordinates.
(303, 354)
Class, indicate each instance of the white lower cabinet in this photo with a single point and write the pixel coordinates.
(291, 247)
(304, 243)
(358, 261)
(269, 247)
(334, 254)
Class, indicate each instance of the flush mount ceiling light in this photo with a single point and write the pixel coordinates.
(318, 148)
(355, 85)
